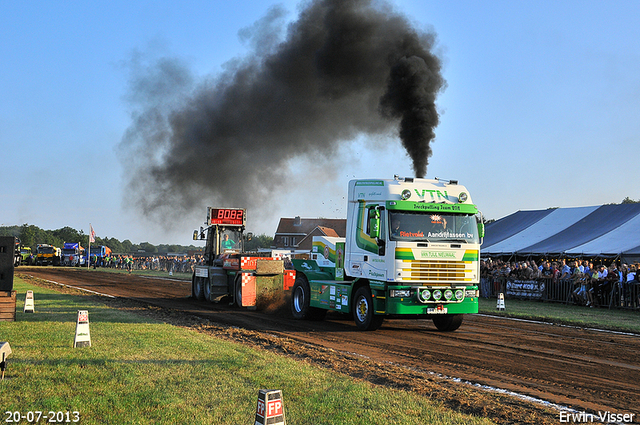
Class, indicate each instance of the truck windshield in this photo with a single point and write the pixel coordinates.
(230, 240)
(432, 227)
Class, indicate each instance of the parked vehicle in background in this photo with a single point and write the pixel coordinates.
(26, 255)
(73, 254)
(17, 257)
(98, 254)
(47, 255)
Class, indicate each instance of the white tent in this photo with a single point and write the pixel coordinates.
(597, 231)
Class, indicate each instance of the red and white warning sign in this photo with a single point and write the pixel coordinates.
(289, 279)
(251, 263)
(28, 303)
(83, 336)
(248, 289)
(270, 409)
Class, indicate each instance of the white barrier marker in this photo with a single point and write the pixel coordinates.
(500, 305)
(5, 349)
(28, 303)
(270, 409)
(83, 337)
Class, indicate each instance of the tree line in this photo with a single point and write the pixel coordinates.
(31, 235)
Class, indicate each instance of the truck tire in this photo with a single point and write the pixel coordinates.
(300, 298)
(206, 290)
(448, 323)
(363, 311)
(198, 288)
(237, 290)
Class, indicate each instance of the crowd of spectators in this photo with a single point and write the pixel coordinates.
(591, 284)
(165, 263)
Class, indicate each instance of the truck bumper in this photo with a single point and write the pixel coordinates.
(384, 304)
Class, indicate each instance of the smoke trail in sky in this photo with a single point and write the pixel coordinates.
(344, 68)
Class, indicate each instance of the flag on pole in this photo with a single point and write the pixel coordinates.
(92, 236)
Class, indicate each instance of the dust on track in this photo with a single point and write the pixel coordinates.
(581, 369)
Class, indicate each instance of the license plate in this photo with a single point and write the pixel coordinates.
(436, 311)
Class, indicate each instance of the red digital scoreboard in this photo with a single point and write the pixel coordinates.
(227, 216)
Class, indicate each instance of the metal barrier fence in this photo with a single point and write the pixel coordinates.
(607, 293)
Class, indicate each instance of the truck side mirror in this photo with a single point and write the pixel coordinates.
(374, 223)
(480, 221)
(195, 235)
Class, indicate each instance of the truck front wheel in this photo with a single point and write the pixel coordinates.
(448, 323)
(363, 311)
(300, 298)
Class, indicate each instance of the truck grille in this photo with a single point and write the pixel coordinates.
(436, 271)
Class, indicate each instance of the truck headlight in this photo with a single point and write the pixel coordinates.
(448, 294)
(459, 294)
(437, 294)
(424, 295)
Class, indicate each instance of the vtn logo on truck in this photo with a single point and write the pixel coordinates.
(434, 193)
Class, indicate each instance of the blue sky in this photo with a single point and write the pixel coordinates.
(541, 109)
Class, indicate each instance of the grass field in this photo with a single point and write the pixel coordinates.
(601, 318)
(139, 371)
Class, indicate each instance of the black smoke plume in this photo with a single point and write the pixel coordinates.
(345, 68)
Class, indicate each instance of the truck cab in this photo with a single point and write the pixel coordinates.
(73, 254)
(47, 255)
(412, 248)
(25, 254)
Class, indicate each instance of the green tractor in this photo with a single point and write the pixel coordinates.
(25, 255)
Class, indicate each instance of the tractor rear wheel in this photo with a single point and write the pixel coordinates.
(206, 289)
(198, 288)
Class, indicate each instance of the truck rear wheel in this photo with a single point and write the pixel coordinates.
(300, 299)
(363, 311)
(448, 323)
(198, 288)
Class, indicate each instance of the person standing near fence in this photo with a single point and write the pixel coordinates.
(628, 286)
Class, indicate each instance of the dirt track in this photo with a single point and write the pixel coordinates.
(583, 369)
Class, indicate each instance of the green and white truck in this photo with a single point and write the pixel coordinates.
(412, 249)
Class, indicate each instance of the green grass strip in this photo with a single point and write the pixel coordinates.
(600, 318)
(140, 371)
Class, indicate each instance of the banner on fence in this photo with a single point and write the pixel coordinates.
(529, 289)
